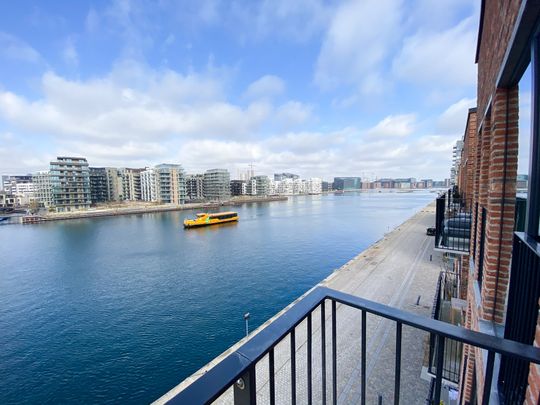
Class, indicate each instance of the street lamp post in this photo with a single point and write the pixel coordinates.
(246, 318)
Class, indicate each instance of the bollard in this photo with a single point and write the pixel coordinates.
(430, 258)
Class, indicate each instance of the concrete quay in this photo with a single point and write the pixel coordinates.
(399, 270)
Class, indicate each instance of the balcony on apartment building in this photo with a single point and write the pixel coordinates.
(447, 307)
(452, 223)
(295, 358)
(522, 314)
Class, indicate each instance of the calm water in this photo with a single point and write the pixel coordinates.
(122, 309)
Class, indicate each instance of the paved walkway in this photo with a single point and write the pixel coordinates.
(395, 271)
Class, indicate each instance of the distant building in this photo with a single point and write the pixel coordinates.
(115, 185)
(216, 185)
(251, 186)
(347, 183)
(283, 176)
(148, 185)
(170, 184)
(131, 184)
(98, 185)
(441, 184)
(314, 186)
(326, 186)
(195, 187)
(43, 188)
(456, 160)
(7, 200)
(10, 184)
(522, 182)
(406, 183)
(424, 183)
(70, 180)
(262, 184)
(238, 187)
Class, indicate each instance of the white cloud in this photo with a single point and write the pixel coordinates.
(394, 126)
(293, 113)
(454, 118)
(69, 53)
(92, 21)
(296, 21)
(265, 87)
(445, 58)
(357, 41)
(16, 49)
(441, 14)
(130, 107)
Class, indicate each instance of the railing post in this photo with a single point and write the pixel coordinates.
(440, 362)
(245, 391)
(397, 374)
(363, 366)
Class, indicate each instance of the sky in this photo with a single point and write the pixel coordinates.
(372, 88)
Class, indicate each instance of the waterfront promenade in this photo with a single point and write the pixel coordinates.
(395, 271)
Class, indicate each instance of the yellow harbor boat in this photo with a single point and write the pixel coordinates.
(205, 219)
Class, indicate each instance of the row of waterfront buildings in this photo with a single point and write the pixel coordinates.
(71, 184)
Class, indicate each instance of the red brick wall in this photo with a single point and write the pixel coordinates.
(501, 198)
(494, 172)
(467, 164)
(499, 19)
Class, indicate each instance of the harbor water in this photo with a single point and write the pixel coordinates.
(121, 309)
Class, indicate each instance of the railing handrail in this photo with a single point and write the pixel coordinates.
(528, 240)
(219, 378)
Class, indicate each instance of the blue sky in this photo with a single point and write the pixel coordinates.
(371, 87)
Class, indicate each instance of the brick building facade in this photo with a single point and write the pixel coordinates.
(487, 182)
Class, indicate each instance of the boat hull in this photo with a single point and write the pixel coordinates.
(195, 224)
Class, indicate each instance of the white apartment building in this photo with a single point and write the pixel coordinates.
(43, 188)
(164, 183)
(313, 185)
(251, 187)
(148, 185)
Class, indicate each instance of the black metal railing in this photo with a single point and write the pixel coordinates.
(238, 369)
(447, 288)
(452, 224)
(521, 314)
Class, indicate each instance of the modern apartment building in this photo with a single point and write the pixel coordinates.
(285, 186)
(148, 185)
(456, 159)
(115, 184)
(164, 183)
(17, 183)
(251, 186)
(262, 184)
(43, 188)
(314, 186)
(99, 190)
(347, 183)
(238, 187)
(195, 187)
(70, 180)
(326, 186)
(171, 184)
(216, 184)
(283, 176)
(131, 184)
